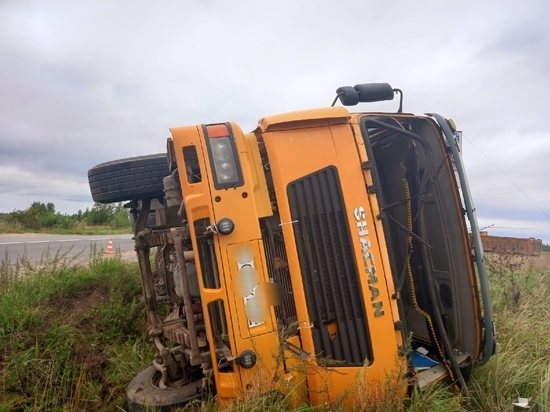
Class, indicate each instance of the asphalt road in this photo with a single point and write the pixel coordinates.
(38, 247)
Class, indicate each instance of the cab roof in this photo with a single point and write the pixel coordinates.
(305, 118)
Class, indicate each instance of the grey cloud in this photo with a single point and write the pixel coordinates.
(87, 82)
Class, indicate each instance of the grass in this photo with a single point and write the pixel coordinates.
(521, 367)
(72, 337)
(77, 230)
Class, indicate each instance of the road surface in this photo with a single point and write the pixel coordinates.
(40, 247)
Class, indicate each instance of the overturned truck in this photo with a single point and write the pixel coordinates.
(292, 258)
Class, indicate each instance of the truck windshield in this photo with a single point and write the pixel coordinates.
(425, 231)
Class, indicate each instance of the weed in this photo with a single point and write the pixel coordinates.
(522, 308)
(388, 395)
(435, 398)
(543, 400)
(72, 337)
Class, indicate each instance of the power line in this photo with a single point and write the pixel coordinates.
(504, 174)
(492, 226)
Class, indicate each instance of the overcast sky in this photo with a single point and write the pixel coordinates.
(84, 82)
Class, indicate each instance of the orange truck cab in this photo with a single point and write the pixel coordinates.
(323, 252)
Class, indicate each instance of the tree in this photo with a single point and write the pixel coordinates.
(114, 214)
(41, 216)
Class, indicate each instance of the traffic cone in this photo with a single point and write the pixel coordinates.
(109, 249)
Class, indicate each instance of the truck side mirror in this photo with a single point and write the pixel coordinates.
(374, 92)
(367, 93)
(348, 96)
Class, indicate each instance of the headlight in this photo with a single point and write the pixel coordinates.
(223, 156)
(224, 162)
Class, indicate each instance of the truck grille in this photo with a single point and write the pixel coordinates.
(329, 273)
(275, 254)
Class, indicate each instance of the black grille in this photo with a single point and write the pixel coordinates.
(329, 273)
(277, 263)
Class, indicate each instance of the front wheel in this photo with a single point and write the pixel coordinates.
(143, 393)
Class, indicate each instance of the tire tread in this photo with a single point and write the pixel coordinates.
(131, 178)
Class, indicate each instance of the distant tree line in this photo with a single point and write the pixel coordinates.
(545, 248)
(43, 216)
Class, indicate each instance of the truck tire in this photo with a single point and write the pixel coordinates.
(132, 178)
(151, 220)
(144, 395)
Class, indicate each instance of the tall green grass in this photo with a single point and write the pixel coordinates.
(77, 229)
(521, 368)
(72, 337)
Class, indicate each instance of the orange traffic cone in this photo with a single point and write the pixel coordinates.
(109, 249)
